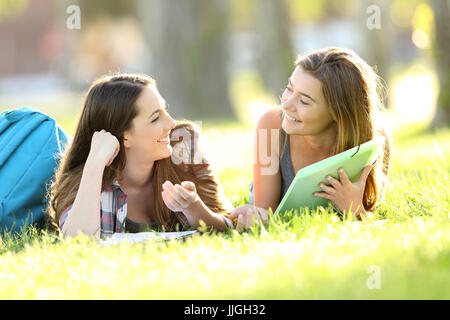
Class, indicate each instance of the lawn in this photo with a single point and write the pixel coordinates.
(403, 252)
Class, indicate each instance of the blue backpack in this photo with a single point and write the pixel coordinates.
(30, 142)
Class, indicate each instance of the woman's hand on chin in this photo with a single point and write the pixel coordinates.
(344, 194)
(180, 197)
(247, 214)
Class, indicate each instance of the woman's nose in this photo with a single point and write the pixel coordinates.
(288, 103)
(170, 123)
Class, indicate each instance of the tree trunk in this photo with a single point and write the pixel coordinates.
(273, 48)
(188, 54)
(378, 39)
(441, 49)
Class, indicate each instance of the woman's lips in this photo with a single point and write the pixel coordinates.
(165, 140)
(291, 119)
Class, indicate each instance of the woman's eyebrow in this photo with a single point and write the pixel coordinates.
(154, 112)
(159, 109)
(302, 93)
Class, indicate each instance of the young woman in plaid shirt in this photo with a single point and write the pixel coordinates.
(130, 164)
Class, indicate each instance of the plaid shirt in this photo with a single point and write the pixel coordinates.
(113, 200)
(113, 212)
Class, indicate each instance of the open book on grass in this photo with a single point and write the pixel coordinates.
(117, 238)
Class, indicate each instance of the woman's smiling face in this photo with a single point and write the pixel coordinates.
(305, 108)
(149, 136)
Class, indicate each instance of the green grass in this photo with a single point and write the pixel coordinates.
(301, 255)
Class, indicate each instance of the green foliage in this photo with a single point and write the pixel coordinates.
(242, 14)
(302, 11)
(12, 8)
(114, 8)
(307, 11)
(402, 11)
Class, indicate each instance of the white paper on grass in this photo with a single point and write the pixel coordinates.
(117, 238)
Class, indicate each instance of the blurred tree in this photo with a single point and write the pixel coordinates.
(274, 52)
(242, 14)
(441, 49)
(378, 39)
(188, 46)
(98, 47)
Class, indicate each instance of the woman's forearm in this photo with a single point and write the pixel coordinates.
(84, 216)
(199, 211)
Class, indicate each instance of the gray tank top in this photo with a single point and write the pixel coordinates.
(286, 168)
(135, 227)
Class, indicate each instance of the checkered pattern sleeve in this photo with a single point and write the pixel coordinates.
(63, 217)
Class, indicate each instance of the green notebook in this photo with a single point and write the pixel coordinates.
(306, 181)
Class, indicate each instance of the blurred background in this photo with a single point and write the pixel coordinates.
(221, 62)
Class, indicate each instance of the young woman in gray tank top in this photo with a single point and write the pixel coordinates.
(330, 104)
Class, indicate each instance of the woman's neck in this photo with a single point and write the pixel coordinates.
(136, 174)
(323, 144)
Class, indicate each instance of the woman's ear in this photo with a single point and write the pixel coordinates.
(127, 139)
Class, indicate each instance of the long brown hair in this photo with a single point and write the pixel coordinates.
(354, 95)
(110, 105)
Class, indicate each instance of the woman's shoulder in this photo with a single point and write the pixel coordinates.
(271, 119)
